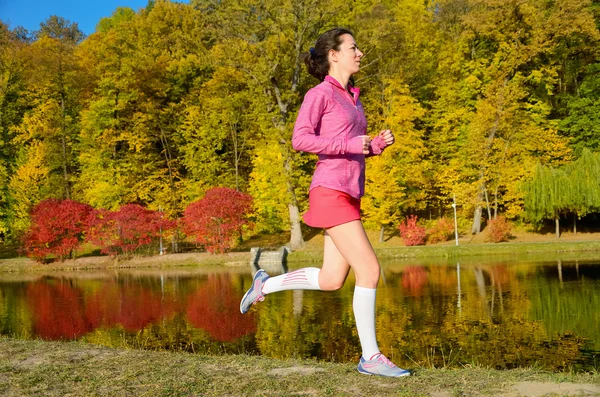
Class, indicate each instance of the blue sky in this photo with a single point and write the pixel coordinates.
(87, 13)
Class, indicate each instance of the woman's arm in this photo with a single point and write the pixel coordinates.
(308, 123)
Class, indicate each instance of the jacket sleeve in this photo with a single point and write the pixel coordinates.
(308, 123)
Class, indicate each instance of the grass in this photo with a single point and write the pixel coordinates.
(79, 369)
(468, 250)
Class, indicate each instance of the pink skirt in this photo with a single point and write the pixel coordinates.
(328, 208)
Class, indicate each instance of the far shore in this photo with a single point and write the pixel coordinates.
(312, 252)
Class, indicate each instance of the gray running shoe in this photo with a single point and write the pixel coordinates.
(380, 365)
(254, 294)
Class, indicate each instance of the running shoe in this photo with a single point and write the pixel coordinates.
(380, 365)
(254, 294)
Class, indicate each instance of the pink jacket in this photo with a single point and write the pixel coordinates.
(329, 123)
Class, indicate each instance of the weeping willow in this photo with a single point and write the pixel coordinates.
(571, 189)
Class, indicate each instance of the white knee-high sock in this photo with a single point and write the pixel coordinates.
(305, 278)
(363, 304)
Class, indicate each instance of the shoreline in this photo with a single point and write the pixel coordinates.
(434, 253)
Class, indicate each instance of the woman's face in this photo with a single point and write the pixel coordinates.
(348, 57)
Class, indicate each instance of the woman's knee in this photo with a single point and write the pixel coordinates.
(331, 283)
(367, 277)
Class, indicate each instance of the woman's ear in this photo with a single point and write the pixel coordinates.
(333, 55)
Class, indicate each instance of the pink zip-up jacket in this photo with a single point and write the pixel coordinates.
(330, 123)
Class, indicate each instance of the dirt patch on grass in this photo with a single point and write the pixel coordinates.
(29, 362)
(295, 371)
(441, 394)
(539, 389)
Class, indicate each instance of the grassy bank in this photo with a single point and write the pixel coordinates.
(17, 265)
(78, 369)
(391, 249)
(467, 250)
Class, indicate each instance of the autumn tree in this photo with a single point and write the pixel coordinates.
(499, 109)
(57, 229)
(266, 41)
(47, 136)
(126, 230)
(12, 108)
(217, 218)
(144, 65)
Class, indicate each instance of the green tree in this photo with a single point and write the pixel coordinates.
(582, 124)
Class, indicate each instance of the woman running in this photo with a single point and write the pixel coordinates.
(331, 123)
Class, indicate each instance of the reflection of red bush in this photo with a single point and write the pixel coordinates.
(57, 310)
(414, 278)
(215, 308)
(133, 307)
(499, 275)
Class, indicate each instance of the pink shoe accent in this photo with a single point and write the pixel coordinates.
(381, 359)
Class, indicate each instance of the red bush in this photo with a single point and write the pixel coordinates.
(442, 231)
(57, 228)
(126, 230)
(500, 230)
(411, 233)
(216, 218)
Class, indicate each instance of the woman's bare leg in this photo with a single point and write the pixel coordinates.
(353, 245)
(335, 268)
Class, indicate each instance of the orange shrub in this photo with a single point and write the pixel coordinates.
(499, 230)
(442, 231)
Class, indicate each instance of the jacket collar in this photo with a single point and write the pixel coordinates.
(354, 90)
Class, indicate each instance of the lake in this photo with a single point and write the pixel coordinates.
(499, 313)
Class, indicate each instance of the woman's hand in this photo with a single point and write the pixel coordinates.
(387, 137)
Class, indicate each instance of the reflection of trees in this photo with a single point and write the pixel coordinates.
(325, 328)
(493, 330)
(569, 302)
(215, 308)
(511, 315)
(414, 279)
(58, 310)
(132, 306)
(15, 315)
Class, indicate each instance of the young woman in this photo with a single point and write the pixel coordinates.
(332, 124)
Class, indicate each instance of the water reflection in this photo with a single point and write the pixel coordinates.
(501, 315)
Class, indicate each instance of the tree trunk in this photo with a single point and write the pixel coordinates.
(296, 239)
(575, 224)
(381, 233)
(487, 203)
(556, 220)
(63, 139)
(476, 228)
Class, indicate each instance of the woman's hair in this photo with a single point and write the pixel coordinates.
(317, 58)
